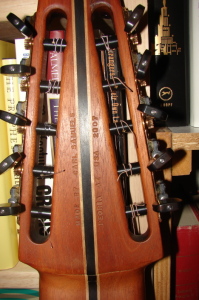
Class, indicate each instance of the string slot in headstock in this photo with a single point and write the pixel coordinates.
(52, 44)
(115, 87)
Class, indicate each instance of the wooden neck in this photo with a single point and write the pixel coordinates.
(116, 285)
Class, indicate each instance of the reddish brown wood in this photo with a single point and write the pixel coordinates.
(61, 260)
(117, 286)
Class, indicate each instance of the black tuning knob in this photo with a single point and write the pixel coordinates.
(167, 205)
(17, 70)
(143, 65)
(161, 160)
(7, 209)
(11, 161)
(24, 27)
(153, 112)
(15, 119)
(134, 18)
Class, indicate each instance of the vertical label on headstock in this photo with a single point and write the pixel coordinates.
(73, 138)
(99, 209)
(96, 158)
(74, 164)
(95, 129)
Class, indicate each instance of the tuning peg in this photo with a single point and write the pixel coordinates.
(143, 65)
(14, 119)
(11, 161)
(165, 204)
(41, 212)
(129, 169)
(134, 18)
(106, 42)
(46, 129)
(46, 86)
(7, 209)
(136, 210)
(153, 112)
(24, 27)
(160, 159)
(57, 45)
(17, 70)
(50, 86)
(121, 127)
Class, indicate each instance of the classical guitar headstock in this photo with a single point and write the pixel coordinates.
(79, 228)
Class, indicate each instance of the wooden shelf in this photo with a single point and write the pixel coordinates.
(183, 140)
(19, 8)
(21, 276)
(186, 138)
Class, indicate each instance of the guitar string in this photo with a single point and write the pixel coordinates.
(55, 42)
(50, 176)
(53, 87)
(45, 228)
(134, 217)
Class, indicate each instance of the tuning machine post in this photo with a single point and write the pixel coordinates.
(43, 212)
(43, 171)
(165, 204)
(57, 45)
(15, 194)
(46, 129)
(159, 158)
(21, 108)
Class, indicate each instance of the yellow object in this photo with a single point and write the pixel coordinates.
(8, 231)
(11, 98)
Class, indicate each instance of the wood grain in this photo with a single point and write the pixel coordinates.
(63, 259)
